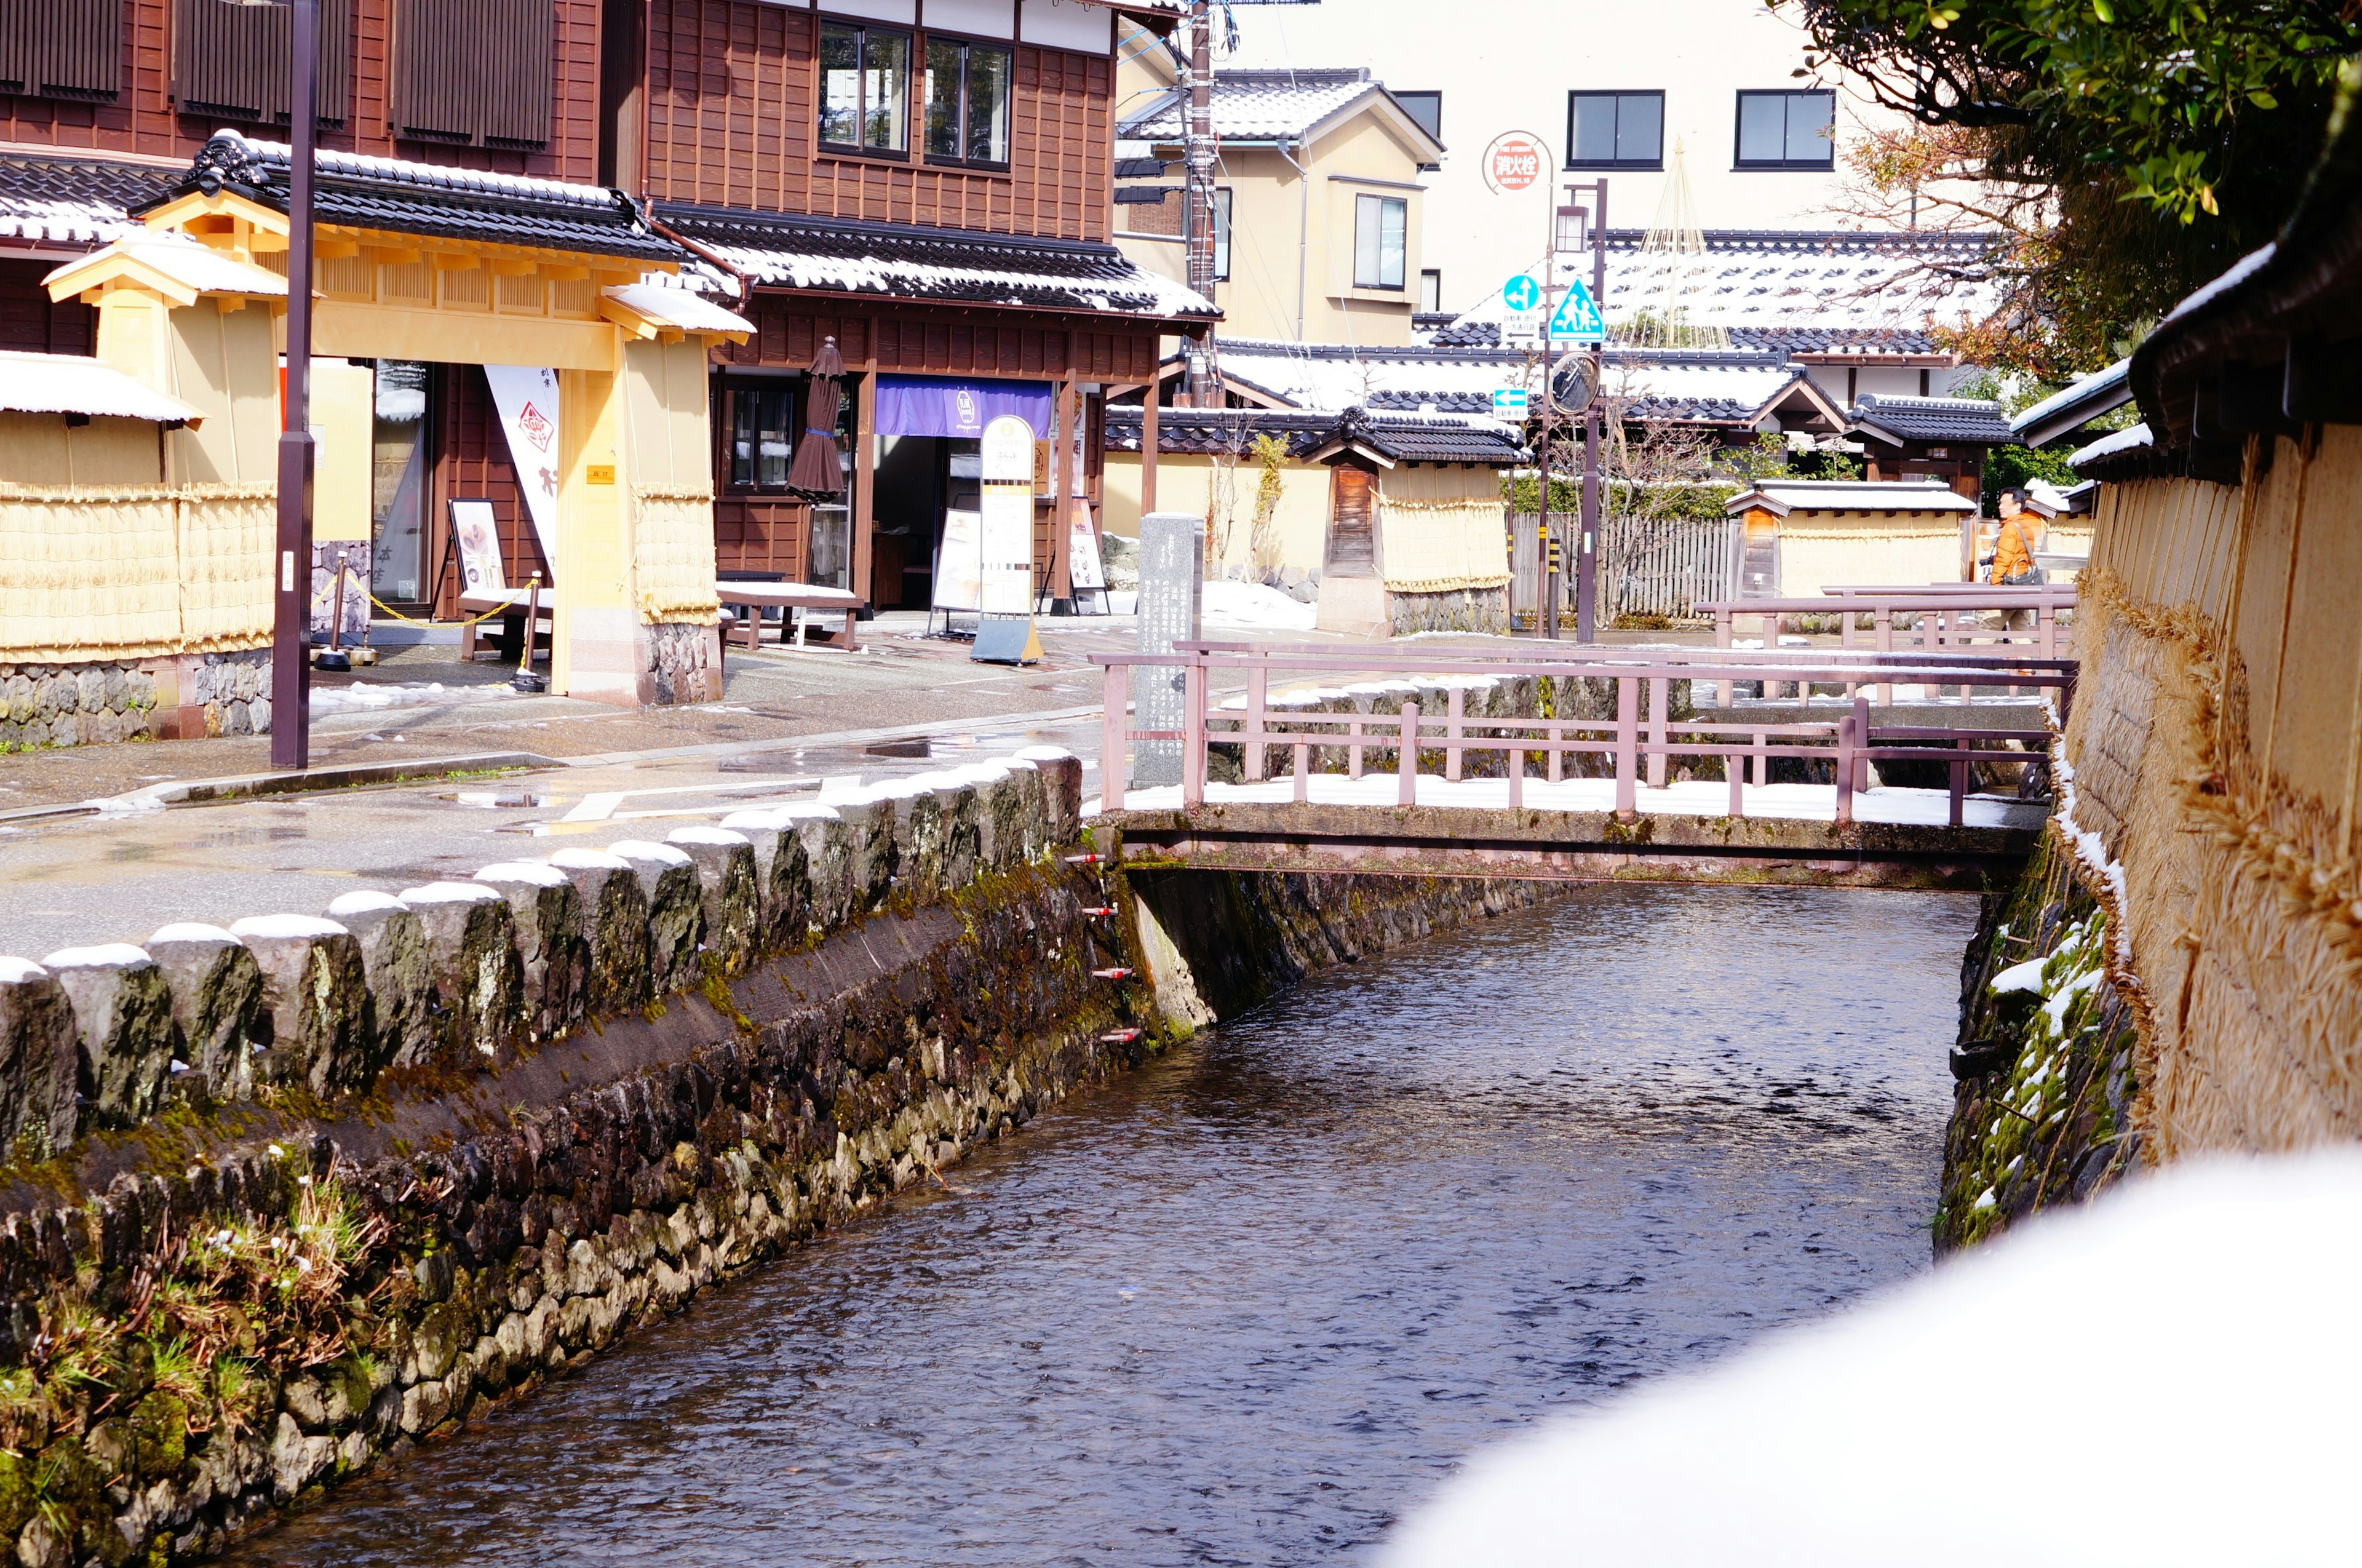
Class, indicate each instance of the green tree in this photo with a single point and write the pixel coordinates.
(2127, 151)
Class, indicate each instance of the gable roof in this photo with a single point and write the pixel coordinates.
(73, 201)
(962, 266)
(1275, 106)
(428, 199)
(1896, 420)
(1780, 497)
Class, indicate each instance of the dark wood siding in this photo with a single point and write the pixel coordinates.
(229, 58)
(143, 120)
(473, 72)
(472, 463)
(944, 341)
(730, 123)
(61, 49)
(28, 320)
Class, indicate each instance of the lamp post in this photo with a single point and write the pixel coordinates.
(291, 665)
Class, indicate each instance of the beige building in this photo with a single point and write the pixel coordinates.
(1317, 199)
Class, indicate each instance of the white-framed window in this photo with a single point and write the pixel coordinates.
(1381, 227)
(1787, 130)
(1430, 291)
(864, 99)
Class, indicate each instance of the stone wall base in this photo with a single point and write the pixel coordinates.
(170, 697)
(1462, 609)
(685, 661)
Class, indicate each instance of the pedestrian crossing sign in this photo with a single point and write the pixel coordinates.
(1577, 315)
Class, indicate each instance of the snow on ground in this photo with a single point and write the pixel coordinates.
(364, 697)
(1257, 604)
(1907, 1429)
(1795, 802)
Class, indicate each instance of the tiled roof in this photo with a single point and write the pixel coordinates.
(964, 266)
(1260, 106)
(1211, 431)
(440, 202)
(2075, 405)
(1852, 495)
(73, 201)
(1964, 419)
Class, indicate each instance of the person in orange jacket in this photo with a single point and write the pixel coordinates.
(2012, 560)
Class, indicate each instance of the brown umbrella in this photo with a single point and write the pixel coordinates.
(816, 470)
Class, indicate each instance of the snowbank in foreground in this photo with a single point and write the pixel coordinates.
(2167, 1376)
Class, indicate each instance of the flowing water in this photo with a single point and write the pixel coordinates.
(1252, 1302)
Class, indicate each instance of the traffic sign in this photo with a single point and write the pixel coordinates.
(1577, 315)
(1515, 161)
(1509, 403)
(1521, 293)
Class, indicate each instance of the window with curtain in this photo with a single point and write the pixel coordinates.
(968, 101)
(1380, 224)
(1787, 130)
(1615, 130)
(762, 433)
(865, 88)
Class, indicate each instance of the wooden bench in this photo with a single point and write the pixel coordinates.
(755, 598)
(510, 601)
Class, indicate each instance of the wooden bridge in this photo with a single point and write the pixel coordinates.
(1396, 758)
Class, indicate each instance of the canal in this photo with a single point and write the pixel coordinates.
(1249, 1303)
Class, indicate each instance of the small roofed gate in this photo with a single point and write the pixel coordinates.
(1662, 568)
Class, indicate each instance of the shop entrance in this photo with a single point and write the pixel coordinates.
(920, 478)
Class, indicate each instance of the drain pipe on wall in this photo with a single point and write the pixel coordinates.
(1303, 212)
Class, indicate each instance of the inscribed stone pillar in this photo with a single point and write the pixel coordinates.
(1171, 589)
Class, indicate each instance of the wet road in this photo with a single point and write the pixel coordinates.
(1252, 1302)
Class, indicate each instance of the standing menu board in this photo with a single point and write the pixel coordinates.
(1005, 634)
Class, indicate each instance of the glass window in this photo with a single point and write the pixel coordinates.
(968, 101)
(1430, 291)
(762, 437)
(1615, 130)
(864, 97)
(1221, 208)
(1787, 130)
(1380, 224)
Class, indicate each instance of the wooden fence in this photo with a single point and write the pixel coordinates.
(1648, 566)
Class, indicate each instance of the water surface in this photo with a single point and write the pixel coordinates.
(1250, 1303)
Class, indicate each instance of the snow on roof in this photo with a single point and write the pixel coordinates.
(435, 176)
(1852, 495)
(678, 308)
(2076, 404)
(2108, 445)
(1332, 376)
(1715, 392)
(68, 383)
(2240, 271)
(196, 267)
(1264, 105)
(73, 201)
(1969, 419)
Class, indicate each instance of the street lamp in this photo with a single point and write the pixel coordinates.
(290, 668)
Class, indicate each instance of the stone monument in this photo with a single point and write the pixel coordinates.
(1172, 590)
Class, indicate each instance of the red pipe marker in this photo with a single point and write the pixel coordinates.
(1085, 860)
(1111, 974)
(1102, 911)
(1121, 1037)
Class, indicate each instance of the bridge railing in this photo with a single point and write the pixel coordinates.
(1637, 748)
(1947, 615)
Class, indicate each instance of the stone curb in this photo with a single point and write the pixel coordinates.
(194, 791)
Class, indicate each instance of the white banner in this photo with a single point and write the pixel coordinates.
(527, 396)
(1008, 517)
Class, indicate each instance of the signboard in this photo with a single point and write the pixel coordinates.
(1577, 315)
(1509, 403)
(1521, 293)
(1005, 594)
(479, 535)
(1083, 566)
(1515, 161)
(959, 562)
(527, 396)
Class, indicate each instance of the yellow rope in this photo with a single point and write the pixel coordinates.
(472, 620)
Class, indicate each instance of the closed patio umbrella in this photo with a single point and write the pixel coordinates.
(816, 470)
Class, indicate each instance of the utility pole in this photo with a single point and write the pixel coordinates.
(1198, 173)
(1586, 560)
(290, 663)
(1546, 558)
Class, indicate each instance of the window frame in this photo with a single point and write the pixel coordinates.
(862, 28)
(1219, 210)
(1430, 303)
(794, 393)
(1740, 163)
(1401, 283)
(1616, 94)
(1005, 47)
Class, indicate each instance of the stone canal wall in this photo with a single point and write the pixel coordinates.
(290, 1197)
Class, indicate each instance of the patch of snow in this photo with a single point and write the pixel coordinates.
(284, 927)
(103, 955)
(16, 971)
(446, 893)
(706, 835)
(191, 931)
(367, 901)
(362, 696)
(530, 871)
(1045, 753)
(637, 849)
(589, 861)
(2026, 977)
(1257, 604)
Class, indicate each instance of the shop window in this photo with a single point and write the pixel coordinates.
(1787, 130)
(967, 102)
(1615, 130)
(762, 433)
(1380, 225)
(864, 103)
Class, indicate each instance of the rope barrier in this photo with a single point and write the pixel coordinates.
(472, 620)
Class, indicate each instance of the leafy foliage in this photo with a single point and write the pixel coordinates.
(2125, 151)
